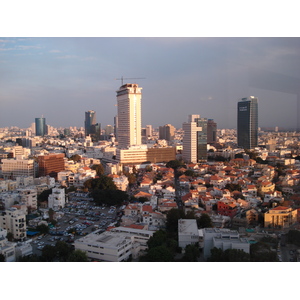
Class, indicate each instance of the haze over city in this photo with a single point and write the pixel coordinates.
(61, 78)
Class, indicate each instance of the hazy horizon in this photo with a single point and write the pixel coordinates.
(62, 78)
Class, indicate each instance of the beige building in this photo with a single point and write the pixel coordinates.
(14, 221)
(12, 168)
(129, 115)
(280, 216)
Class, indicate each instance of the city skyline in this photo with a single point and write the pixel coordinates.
(61, 78)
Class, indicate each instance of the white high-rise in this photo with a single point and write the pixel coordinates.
(129, 115)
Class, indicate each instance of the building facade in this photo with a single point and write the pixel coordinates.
(51, 164)
(195, 139)
(280, 217)
(15, 167)
(167, 132)
(247, 122)
(40, 127)
(129, 115)
(89, 122)
(211, 131)
(14, 221)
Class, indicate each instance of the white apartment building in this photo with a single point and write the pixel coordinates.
(28, 196)
(107, 246)
(129, 115)
(7, 249)
(115, 245)
(14, 221)
(188, 232)
(121, 182)
(57, 199)
(13, 167)
(224, 239)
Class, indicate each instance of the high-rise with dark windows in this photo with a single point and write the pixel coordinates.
(247, 122)
(40, 127)
(89, 122)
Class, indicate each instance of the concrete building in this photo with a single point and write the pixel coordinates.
(28, 197)
(247, 122)
(224, 239)
(51, 164)
(7, 249)
(57, 199)
(129, 115)
(15, 167)
(280, 217)
(14, 221)
(187, 232)
(167, 132)
(195, 139)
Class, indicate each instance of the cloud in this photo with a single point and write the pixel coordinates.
(54, 51)
(67, 57)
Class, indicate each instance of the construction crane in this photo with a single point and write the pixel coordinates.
(122, 78)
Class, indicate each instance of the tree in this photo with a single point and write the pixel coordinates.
(158, 254)
(48, 253)
(43, 196)
(10, 236)
(77, 256)
(43, 228)
(2, 257)
(229, 255)
(159, 237)
(51, 213)
(173, 216)
(99, 169)
(75, 157)
(204, 221)
(63, 250)
(109, 197)
(102, 183)
(192, 253)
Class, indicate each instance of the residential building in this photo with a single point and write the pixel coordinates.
(195, 139)
(129, 115)
(7, 249)
(280, 217)
(224, 239)
(247, 122)
(14, 221)
(187, 232)
(57, 199)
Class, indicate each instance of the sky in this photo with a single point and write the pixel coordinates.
(61, 78)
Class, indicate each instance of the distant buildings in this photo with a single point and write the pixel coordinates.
(195, 139)
(211, 131)
(247, 122)
(167, 132)
(129, 115)
(40, 127)
(89, 122)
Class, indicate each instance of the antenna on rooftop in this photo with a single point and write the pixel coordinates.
(122, 78)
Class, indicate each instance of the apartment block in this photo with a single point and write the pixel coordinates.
(14, 221)
(15, 167)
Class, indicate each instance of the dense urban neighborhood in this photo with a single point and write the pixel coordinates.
(67, 197)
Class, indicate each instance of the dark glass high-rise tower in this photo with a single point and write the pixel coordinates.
(247, 122)
(40, 127)
(89, 122)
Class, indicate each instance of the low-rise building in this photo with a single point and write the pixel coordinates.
(280, 217)
(187, 232)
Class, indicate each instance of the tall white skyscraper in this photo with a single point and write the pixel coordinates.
(129, 115)
(195, 139)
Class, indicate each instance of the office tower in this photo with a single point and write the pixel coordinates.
(195, 139)
(116, 127)
(167, 132)
(51, 164)
(90, 120)
(40, 127)
(247, 122)
(211, 131)
(109, 130)
(129, 115)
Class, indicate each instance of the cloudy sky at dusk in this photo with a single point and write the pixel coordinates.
(62, 77)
